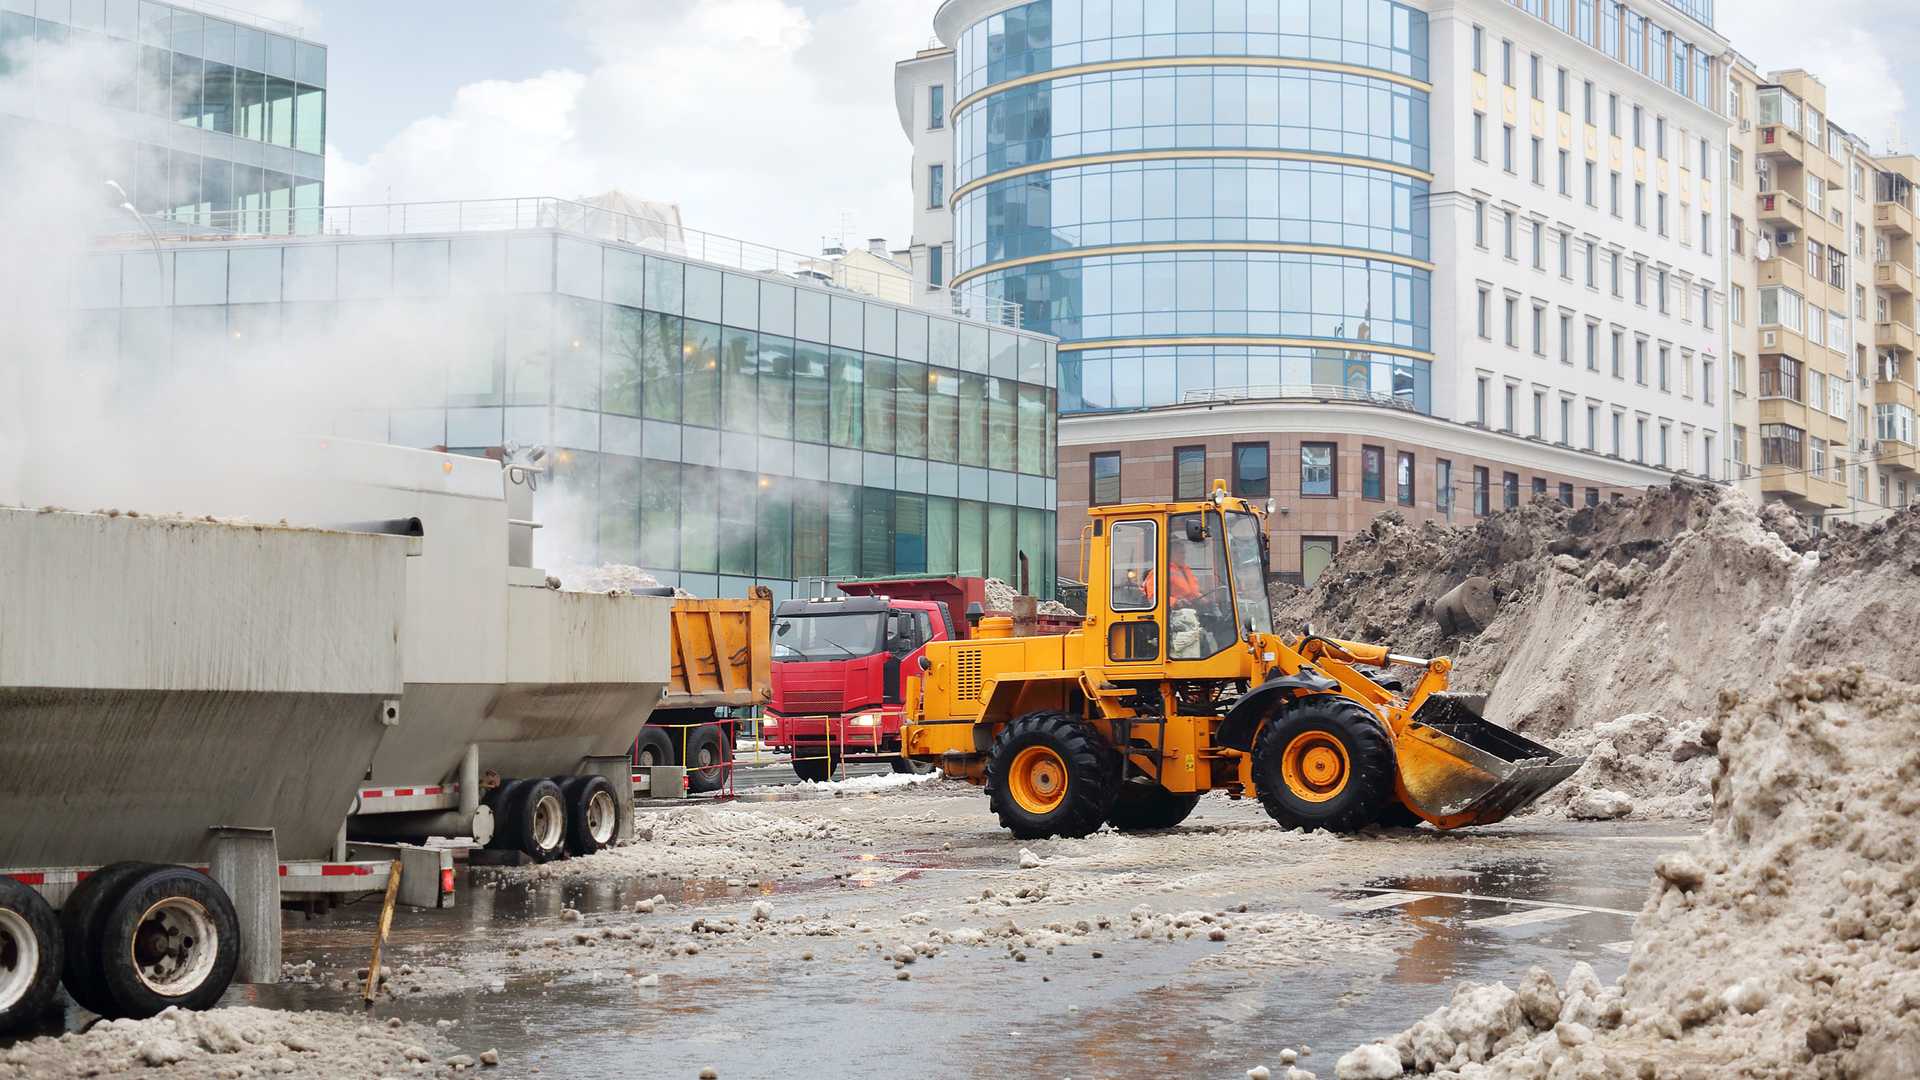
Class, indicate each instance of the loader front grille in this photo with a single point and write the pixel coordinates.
(966, 674)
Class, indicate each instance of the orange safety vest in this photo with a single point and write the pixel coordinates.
(1183, 585)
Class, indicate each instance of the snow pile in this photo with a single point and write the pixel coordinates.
(876, 782)
(1785, 944)
(1610, 629)
(1000, 595)
(611, 578)
(235, 1042)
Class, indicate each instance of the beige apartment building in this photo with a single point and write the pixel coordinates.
(1820, 304)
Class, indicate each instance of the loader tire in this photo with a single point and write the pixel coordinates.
(30, 952)
(1324, 763)
(82, 922)
(1141, 807)
(1051, 774)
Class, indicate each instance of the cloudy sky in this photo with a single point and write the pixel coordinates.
(773, 120)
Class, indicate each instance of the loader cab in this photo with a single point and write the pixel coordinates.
(1181, 585)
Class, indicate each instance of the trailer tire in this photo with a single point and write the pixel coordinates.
(593, 813)
(81, 919)
(499, 799)
(653, 747)
(814, 765)
(1324, 763)
(536, 821)
(1051, 774)
(172, 940)
(30, 954)
(707, 759)
(1142, 807)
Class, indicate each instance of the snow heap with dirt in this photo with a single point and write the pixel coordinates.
(241, 1042)
(611, 578)
(1610, 631)
(1785, 944)
(1000, 598)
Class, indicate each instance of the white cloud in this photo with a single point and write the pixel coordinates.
(1849, 45)
(765, 119)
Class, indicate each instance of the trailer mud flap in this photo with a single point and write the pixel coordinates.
(1457, 768)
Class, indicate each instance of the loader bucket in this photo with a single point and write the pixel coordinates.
(1457, 768)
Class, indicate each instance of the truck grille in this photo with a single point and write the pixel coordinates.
(966, 674)
(813, 701)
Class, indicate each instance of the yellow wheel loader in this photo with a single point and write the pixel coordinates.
(1176, 685)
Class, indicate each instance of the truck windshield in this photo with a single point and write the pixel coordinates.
(1249, 574)
(826, 637)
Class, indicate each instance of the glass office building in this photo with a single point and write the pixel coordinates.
(715, 427)
(1204, 199)
(210, 115)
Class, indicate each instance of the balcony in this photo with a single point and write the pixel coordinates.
(1782, 143)
(1893, 277)
(1893, 217)
(1893, 335)
(1780, 210)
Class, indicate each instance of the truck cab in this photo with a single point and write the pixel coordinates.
(838, 667)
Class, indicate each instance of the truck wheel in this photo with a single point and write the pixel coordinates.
(82, 920)
(1326, 764)
(654, 747)
(1051, 774)
(172, 940)
(813, 765)
(707, 759)
(536, 821)
(500, 801)
(593, 813)
(1150, 806)
(29, 954)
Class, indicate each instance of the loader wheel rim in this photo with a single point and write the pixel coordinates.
(1037, 779)
(1315, 766)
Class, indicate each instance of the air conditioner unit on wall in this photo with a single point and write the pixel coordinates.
(1746, 125)
(1783, 238)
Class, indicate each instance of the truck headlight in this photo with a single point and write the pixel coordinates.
(768, 723)
(866, 721)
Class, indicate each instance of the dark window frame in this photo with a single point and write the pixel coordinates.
(1509, 491)
(1242, 487)
(1333, 471)
(1178, 495)
(1379, 477)
(1482, 490)
(1406, 494)
(1093, 477)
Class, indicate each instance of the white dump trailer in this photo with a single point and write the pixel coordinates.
(185, 708)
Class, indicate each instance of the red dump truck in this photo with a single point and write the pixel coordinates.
(839, 661)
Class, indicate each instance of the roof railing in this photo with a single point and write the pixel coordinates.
(660, 234)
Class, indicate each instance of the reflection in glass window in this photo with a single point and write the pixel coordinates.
(972, 558)
(1251, 473)
(1002, 432)
(1104, 477)
(622, 373)
(700, 374)
(1317, 475)
(973, 419)
(878, 395)
(943, 535)
(943, 415)
(1199, 604)
(844, 381)
(776, 387)
(811, 398)
(911, 387)
(739, 383)
(1132, 552)
(1189, 472)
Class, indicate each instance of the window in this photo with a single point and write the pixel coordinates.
(1512, 418)
(1189, 473)
(1593, 193)
(1513, 322)
(1506, 63)
(1105, 472)
(1619, 448)
(1640, 283)
(1782, 445)
(936, 266)
(1539, 330)
(1480, 402)
(1566, 421)
(1706, 232)
(936, 107)
(1539, 232)
(936, 186)
(1613, 114)
(1566, 173)
(1613, 192)
(1480, 49)
(1660, 137)
(1479, 136)
(1593, 427)
(1315, 553)
(1509, 491)
(1538, 144)
(1251, 475)
(1533, 78)
(1736, 168)
(1443, 487)
(1566, 254)
(1539, 414)
(1506, 147)
(1133, 550)
(1618, 345)
(1539, 487)
(1586, 106)
(1780, 377)
(1706, 307)
(1561, 96)
(1706, 457)
(1706, 379)
(1593, 262)
(1593, 496)
(1509, 229)
(1318, 471)
(1639, 128)
(1660, 290)
(1480, 223)
(1640, 203)
(1640, 361)
(1566, 338)
(1817, 458)
(1666, 364)
(1373, 473)
(1481, 482)
(1737, 374)
(1593, 346)
(1640, 439)
(1566, 495)
(1403, 479)
(1737, 305)
(1781, 307)
(1660, 213)
(1486, 316)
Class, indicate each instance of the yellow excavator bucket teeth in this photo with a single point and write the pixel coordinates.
(1457, 768)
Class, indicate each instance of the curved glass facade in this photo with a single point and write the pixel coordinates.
(1188, 108)
(1273, 210)
(1053, 34)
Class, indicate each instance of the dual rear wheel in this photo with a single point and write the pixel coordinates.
(548, 819)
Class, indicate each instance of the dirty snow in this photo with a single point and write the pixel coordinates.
(1782, 945)
(237, 1042)
(1617, 626)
